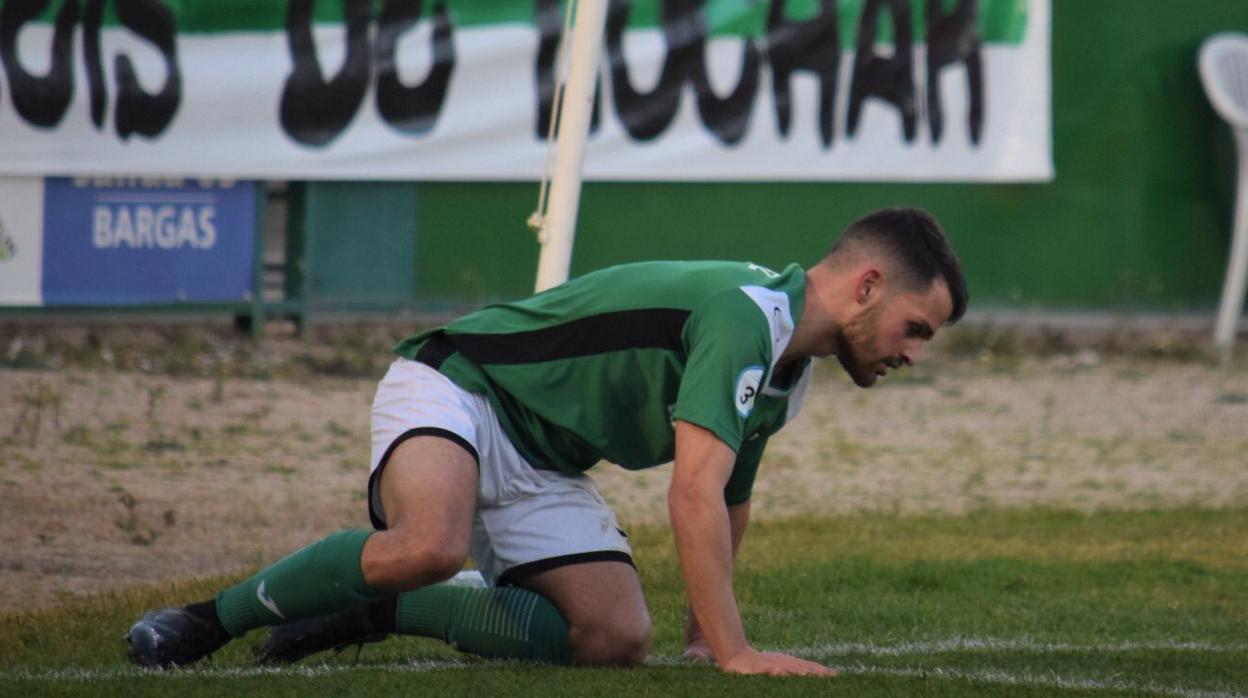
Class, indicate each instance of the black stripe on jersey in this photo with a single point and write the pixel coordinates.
(646, 328)
(436, 350)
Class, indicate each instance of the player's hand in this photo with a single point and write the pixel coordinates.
(751, 661)
(699, 651)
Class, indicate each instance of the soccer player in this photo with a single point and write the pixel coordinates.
(482, 431)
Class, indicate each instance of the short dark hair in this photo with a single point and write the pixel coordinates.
(913, 239)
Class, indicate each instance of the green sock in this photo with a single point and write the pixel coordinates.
(321, 578)
(498, 622)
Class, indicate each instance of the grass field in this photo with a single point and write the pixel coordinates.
(1019, 516)
(1025, 603)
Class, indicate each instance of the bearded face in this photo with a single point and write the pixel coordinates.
(860, 352)
(888, 330)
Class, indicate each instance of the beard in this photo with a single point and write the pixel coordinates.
(858, 349)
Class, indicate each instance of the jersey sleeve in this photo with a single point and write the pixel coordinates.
(728, 343)
(741, 484)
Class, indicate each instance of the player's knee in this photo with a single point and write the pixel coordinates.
(436, 564)
(612, 642)
(410, 565)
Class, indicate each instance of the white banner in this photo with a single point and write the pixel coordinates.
(434, 100)
(21, 241)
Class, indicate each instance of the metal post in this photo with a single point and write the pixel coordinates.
(257, 272)
(559, 226)
(1231, 309)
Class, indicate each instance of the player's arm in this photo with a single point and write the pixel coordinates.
(737, 494)
(696, 646)
(703, 533)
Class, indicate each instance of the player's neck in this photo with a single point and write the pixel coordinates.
(818, 325)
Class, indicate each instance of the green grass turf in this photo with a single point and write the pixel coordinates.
(996, 603)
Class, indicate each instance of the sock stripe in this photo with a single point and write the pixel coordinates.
(508, 622)
(528, 613)
(499, 619)
(519, 627)
(486, 615)
(473, 613)
(505, 625)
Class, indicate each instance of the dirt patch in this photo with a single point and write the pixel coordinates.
(952, 437)
(115, 478)
(146, 478)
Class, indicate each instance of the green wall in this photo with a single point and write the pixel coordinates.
(1137, 218)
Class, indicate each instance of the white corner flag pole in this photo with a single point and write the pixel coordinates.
(558, 227)
(1231, 309)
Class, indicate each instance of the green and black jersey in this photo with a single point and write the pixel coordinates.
(599, 367)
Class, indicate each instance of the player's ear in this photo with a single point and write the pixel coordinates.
(869, 286)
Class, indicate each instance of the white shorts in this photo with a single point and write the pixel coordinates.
(527, 519)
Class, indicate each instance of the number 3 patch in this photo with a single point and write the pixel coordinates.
(747, 389)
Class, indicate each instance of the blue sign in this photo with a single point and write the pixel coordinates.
(134, 241)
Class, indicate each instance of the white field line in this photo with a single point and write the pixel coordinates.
(1041, 680)
(310, 670)
(953, 644)
(985, 644)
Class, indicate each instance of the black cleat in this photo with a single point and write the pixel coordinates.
(290, 642)
(172, 637)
